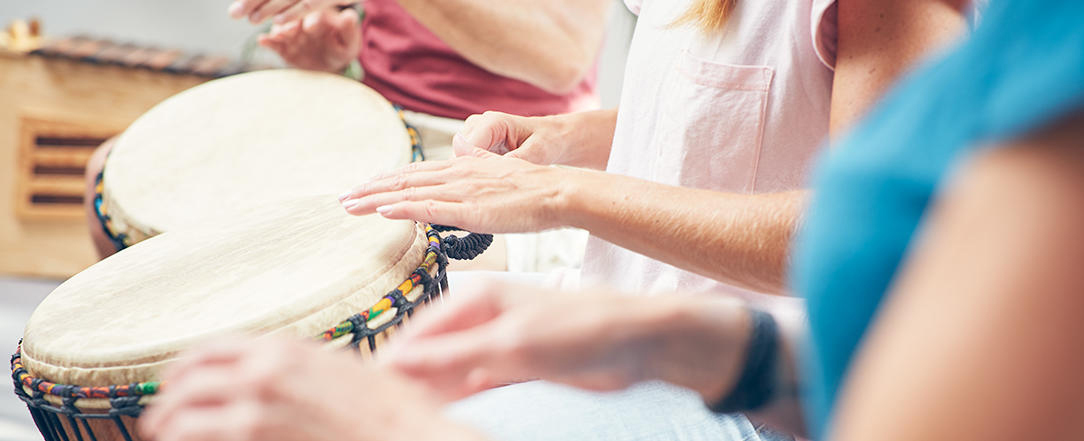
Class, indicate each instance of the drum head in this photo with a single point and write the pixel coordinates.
(249, 140)
(296, 268)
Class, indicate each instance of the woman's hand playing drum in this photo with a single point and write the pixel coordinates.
(324, 40)
(284, 390)
(579, 139)
(503, 334)
(481, 192)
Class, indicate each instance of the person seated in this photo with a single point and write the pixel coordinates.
(941, 271)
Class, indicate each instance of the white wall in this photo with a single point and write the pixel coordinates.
(202, 26)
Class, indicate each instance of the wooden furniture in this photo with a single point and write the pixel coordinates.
(57, 104)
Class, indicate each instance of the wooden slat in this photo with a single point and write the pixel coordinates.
(62, 156)
(56, 185)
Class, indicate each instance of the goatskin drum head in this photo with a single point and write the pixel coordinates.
(294, 268)
(248, 140)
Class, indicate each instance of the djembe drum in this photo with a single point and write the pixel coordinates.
(245, 141)
(211, 197)
(92, 351)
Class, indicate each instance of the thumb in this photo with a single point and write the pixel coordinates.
(464, 148)
(482, 132)
(527, 152)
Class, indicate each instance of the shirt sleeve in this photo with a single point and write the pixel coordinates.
(825, 31)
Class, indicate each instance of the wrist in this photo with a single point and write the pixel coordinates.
(586, 137)
(577, 192)
(708, 336)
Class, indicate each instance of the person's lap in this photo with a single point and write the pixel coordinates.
(537, 410)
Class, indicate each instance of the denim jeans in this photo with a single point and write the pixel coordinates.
(538, 410)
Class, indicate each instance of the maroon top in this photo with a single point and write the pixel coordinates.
(415, 69)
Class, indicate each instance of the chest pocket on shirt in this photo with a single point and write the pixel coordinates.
(711, 127)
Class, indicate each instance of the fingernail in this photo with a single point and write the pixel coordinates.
(280, 19)
(255, 17)
(344, 196)
(383, 209)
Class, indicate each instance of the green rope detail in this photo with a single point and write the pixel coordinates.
(149, 388)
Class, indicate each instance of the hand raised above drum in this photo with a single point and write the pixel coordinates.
(481, 192)
(504, 334)
(272, 389)
(579, 139)
(324, 40)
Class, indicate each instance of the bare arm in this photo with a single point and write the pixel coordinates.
(739, 239)
(551, 44)
(981, 339)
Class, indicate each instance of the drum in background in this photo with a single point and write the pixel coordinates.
(245, 141)
(93, 349)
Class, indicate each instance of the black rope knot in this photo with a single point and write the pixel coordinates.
(463, 248)
(467, 247)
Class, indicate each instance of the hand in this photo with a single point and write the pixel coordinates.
(283, 11)
(325, 40)
(286, 390)
(579, 139)
(504, 334)
(533, 139)
(481, 192)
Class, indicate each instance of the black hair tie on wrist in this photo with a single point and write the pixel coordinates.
(756, 385)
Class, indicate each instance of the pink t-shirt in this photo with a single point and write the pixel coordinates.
(742, 110)
(413, 68)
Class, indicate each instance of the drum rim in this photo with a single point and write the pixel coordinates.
(355, 325)
(124, 239)
(126, 225)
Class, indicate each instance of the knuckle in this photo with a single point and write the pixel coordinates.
(398, 182)
(430, 208)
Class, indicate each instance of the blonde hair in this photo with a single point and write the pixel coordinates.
(708, 15)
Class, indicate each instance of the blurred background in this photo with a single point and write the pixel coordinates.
(58, 104)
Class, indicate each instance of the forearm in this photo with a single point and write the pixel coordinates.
(550, 44)
(589, 134)
(737, 239)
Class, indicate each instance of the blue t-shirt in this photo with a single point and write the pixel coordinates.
(1021, 67)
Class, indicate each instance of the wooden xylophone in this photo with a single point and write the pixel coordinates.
(105, 52)
(62, 97)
